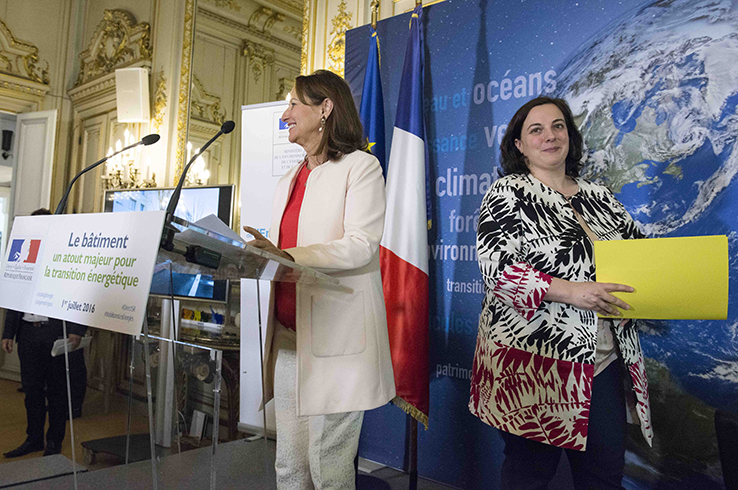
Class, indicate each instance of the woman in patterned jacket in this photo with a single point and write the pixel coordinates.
(547, 371)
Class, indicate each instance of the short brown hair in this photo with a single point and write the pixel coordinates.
(343, 133)
(513, 162)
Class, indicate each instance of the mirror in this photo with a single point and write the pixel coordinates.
(244, 52)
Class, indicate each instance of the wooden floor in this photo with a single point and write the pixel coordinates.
(94, 423)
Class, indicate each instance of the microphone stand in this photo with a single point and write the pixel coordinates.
(169, 231)
(146, 140)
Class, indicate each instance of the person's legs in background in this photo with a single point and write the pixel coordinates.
(34, 384)
(78, 381)
(56, 395)
(32, 380)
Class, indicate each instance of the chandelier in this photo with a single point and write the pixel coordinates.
(123, 171)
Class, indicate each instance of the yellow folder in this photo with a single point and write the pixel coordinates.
(674, 278)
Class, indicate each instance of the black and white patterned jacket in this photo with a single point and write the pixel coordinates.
(534, 360)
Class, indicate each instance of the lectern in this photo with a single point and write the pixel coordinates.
(96, 269)
(202, 258)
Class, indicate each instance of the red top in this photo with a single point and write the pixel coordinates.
(284, 292)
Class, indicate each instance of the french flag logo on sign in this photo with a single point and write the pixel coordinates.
(24, 250)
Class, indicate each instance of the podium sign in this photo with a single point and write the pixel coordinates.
(91, 269)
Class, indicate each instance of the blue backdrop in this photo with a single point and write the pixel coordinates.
(654, 89)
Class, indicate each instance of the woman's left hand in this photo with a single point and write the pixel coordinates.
(263, 243)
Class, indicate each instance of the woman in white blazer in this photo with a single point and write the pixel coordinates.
(328, 357)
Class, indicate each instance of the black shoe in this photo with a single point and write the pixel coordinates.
(52, 447)
(26, 448)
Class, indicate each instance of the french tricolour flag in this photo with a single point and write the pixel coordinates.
(404, 247)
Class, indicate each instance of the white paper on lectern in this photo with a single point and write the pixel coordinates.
(51, 268)
(213, 223)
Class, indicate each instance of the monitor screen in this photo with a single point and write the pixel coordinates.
(190, 286)
(194, 204)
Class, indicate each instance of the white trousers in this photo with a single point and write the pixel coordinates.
(313, 452)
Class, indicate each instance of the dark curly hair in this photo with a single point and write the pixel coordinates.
(343, 132)
(513, 162)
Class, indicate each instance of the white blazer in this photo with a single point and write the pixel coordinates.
(343, 354)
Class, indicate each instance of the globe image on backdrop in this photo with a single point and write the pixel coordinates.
(655, 96)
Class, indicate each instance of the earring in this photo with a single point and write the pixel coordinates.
(322, 123)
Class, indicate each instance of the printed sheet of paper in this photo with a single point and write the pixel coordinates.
(674, 278)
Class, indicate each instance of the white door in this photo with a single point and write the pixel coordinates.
(9, 363)
(31, 188)
(34, 150)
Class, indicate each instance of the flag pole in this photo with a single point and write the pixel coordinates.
(375, 13)
(413, 450)
(413, 421)
(403, 249)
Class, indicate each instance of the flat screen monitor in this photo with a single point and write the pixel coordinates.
(169, 284)
(194, 204)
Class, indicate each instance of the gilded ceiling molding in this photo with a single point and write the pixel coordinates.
(304, 47)
(293, 31)
(256, 16)
(20, 88)
(259, 56)
(271, 16)
(94, 88)
(203, 129)
(337, 47)
(25, 89)
(277, 17)
(253, 32)
(19, 58)
(293, 6)
(117, 42)
(205, 106)
(160, 101)
(228, 4)
(184, 87)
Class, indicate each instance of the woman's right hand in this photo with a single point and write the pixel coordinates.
(8, 345)
(263, 243)
(593, 296)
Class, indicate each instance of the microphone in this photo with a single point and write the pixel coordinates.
(166, 242)
(149, 139)
(146, 141)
